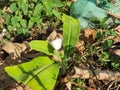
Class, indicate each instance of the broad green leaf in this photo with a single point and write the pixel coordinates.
(25, 30)
(71, 30)
(39, 74)
(30, 23)
(49, 4)
(22, 31)
(13, 7)
(52, 3)
(8, 19)
(23, 22)
(12, 0)
(10, 28)
(38, 9)
(14, 21)
(19, 3)
(1, 12)
(25, 8)
(43, 46)
(19, 31)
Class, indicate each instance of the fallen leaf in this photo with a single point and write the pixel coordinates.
(68, 85)
(80, 46)
(14, 49)
(116, 40)
(52, 36)
(88, 35)
(116, 52)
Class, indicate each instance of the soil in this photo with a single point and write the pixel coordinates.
(7, 83)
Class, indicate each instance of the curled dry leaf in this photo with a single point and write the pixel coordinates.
(80, 46)
(88, 35)
(100, 74)
(14, 49)
(52, 36)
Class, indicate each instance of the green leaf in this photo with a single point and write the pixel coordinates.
(115, 65)
(71, 30)
(52, 3)
(25, 8)
(31, 22)
(111, 33)
(99, 34)
(105, 56)
(57, 14)
(10, 28)
(22, 30)
(38, 9)
(8, 19)
(25, 31)
(23, 23)
(39, 74)
(14, 21)
(19, 3)
(107, 44)
(19, 31)
(12, 0)
(49, 4)
(13, 7)
(1, 12)
(42, 46)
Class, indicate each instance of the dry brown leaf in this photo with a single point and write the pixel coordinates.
(88, 35)
(117, 15)
(116, 52)
(52, 36)
(116, 40)
(80, 46)
(14, 49)
(100, 74)
(68, 85)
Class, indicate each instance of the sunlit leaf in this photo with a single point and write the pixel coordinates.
(71, 30)
(13, 7)
(42, 46)
(39, 74)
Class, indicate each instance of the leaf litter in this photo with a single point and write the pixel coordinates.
(86, 36)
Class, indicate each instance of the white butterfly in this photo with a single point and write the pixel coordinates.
(57, 43)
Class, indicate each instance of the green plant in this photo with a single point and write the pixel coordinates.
(79, 82)
(99, 51)
(25, 14)
(41, 73)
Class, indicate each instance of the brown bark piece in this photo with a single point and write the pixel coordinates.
(100, 74)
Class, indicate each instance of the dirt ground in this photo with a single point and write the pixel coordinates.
(7, 83)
